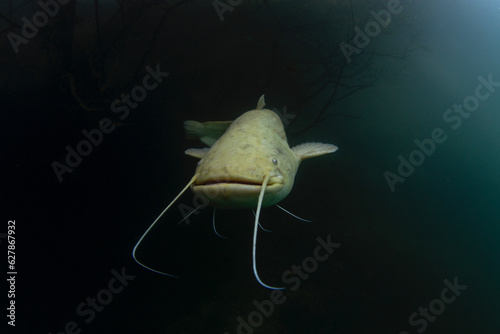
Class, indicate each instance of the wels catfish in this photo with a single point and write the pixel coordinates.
(248, 164)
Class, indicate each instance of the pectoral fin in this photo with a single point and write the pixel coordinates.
(197, 152)
(311, 150)
(207, 132)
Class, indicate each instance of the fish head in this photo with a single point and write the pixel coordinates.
(231, 174)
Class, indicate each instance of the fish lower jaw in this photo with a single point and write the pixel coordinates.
(214, 189)
(225, 179)
(236, 195)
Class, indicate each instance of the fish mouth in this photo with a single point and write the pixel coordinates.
(238, 192)
(235, 182)
(236, 187)
(231, 182)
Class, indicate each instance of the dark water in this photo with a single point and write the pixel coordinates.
(410, 200)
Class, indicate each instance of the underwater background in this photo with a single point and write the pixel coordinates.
(406, 213)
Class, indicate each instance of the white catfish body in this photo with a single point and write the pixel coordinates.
(249, 164)
(231, 173)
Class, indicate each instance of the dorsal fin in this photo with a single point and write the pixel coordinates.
(261, 103)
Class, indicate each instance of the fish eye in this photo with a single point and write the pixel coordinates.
(275, 161)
